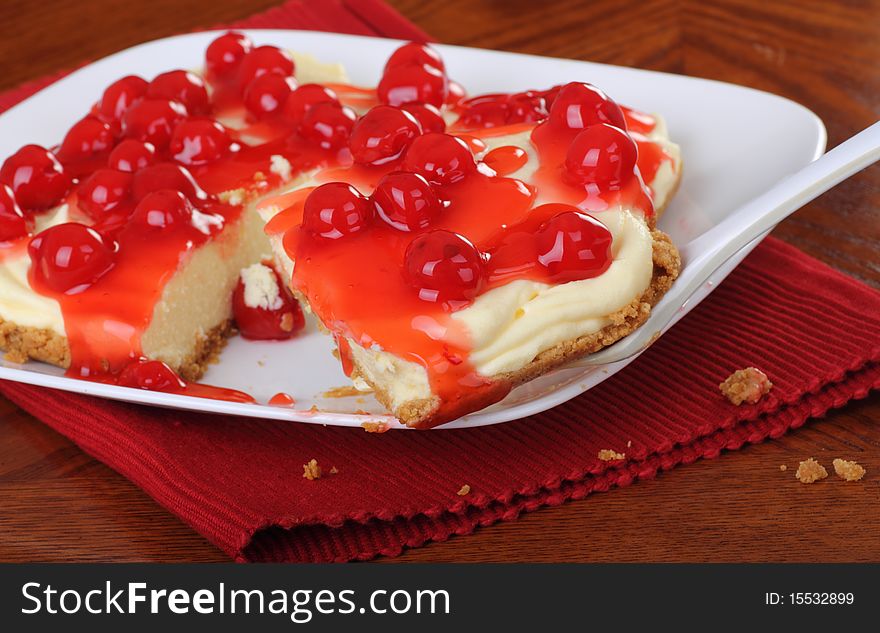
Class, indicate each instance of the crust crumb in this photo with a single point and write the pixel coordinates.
(607, 455)
(629, 443)
(810, 471)
(375, 427)
(783, 467)
(747, 385)
(848, 470)
(312, 471)
(334, 470)
(464, 490)
(345, 391)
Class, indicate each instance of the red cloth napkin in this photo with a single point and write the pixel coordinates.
(239, 481)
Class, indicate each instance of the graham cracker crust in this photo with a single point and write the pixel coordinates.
(23, 343)
(667, 264)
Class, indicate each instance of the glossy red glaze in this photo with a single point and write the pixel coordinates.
(154, 375)
(225, 53)
(69, 258)
(13, 224)
(382, 135)
(442, 159)
(105, 190)
(166, 176)
(427, 115)
(132, 155)
(506, 159)
(278, 322)
(153, 121)
(182, 86)
(412, 83)
(199, 142)
(406, 201)
(36, 178)
(282, 399)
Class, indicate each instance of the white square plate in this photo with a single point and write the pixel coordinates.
(736, 142)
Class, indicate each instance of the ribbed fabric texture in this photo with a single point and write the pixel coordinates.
(239, 482)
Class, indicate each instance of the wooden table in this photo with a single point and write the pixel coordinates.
(58, 504)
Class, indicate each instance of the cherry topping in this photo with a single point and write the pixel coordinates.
(601, 155)
(427, 115)
(181, 86)
(36, 177)
(415, 53)
(166, 176)
(579, 105)
(445, 268)
(328, 125)
(131, 156)
(382, 135)
(153, 120)
(526, 107)
(406, 201)
(226, 52)
(162, 209)
(485, 111)
(442, 159)
(264, 60)
(12, 221)
(303, 98)
(413, 83)
(260, 317)
(336, 209)
(68, 258)
(153, 375)
(86, 138)
(266, 94)
(199, 142)
(572, 246)
(119, 96)
(103, 192)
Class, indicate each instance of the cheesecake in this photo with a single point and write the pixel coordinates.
(452, 246)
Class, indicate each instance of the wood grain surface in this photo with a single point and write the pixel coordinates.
(58, 504)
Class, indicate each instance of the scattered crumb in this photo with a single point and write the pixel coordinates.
(314, 409)
(783, 467)
(747, 385)
(341, 392)
(334, 470)
(258, 176)
(261, 363)
(810, 471)
(848, 470)
(629, 443)
(607, 455)
(465, 489)
(234, 197)
(312, 471)
(375, 427)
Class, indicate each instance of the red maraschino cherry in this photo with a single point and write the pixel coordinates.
(573, 245)
(199, 142)
(445, 268)
(266, 95)
(69, 258)
(225, 54)
(328, 125)
(166, 176)
(412, 83)
(152, 375)
(336, 210)
(382, 135)
(579, 105)
(526, 107)
(485, 112)
(119, 96)
(428, 116)
(415, 53)
(280, 319)
(182, 86)
(36, 177)
(601, 155)
(104, 191)
(162, 209)
(132, 155)
(153, 121)
(13, 224)
(264, 60)
(87, 138)
(303, 98)
(406, 201)
(442, 159)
